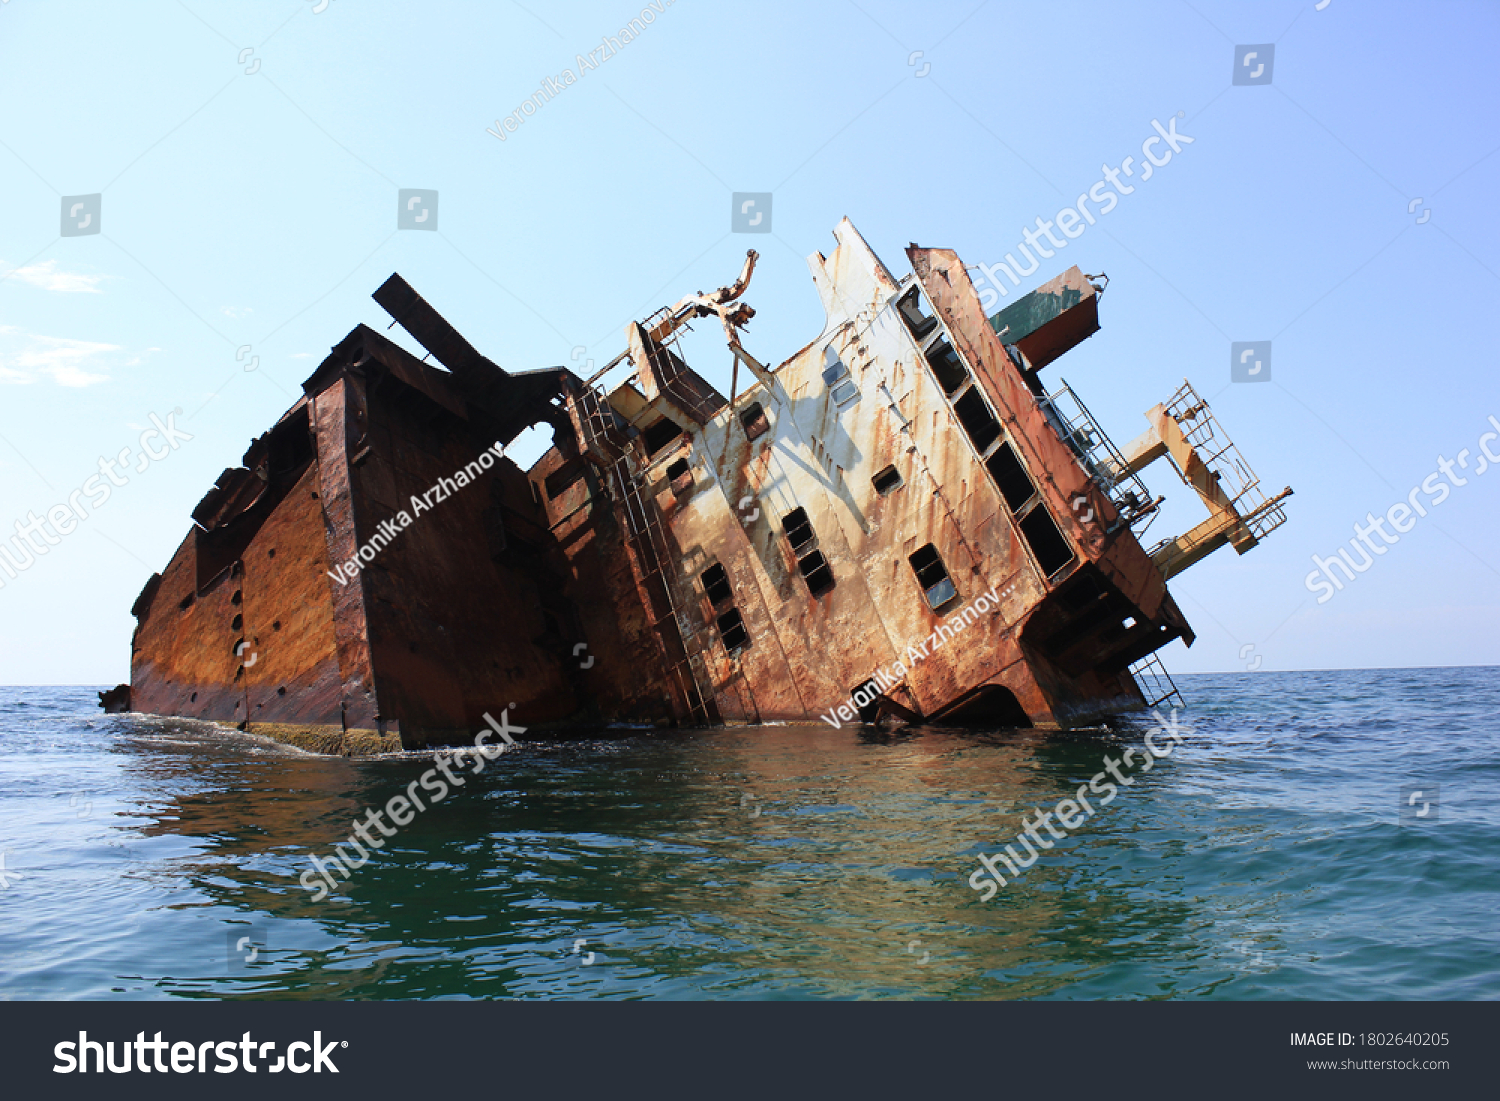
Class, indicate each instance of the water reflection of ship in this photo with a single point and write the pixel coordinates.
(659, 860)
(943, 796)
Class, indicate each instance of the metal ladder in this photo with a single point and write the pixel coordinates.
(645, 534)
(602, 437)
(1156, 683)
(1099, 456)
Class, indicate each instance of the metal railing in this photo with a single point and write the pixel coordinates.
(666, 353)
(602, 428)
(1098, 456)
(1156, 683)
(1223, 459)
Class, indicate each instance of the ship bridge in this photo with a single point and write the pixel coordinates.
(1044, 324)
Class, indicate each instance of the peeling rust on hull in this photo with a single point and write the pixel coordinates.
(898, 522)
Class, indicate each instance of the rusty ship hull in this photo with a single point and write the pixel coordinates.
(898, 522)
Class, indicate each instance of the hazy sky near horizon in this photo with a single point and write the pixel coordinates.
(248, 158)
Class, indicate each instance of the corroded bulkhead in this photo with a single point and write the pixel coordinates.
(899, 522)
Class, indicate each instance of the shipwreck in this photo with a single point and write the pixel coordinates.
(902, 521)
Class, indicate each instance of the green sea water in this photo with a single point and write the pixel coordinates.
(1267, 857)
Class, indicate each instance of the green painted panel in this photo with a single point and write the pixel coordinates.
(1026, 315)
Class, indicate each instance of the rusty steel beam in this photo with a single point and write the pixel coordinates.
(429, 328)
(894, 515)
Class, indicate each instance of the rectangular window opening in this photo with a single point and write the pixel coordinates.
(932, 575)
(1010, 477)
(680, 475)
(949, 369)
(732, 631)
(563, 478)
(754, 421)
(974, 414)
(798, 530)
(816, 572)
(844, 393)
(910, 308)
(1047, 543)
(715, 581)
(660, 434)
(833, 367)
(887, 481)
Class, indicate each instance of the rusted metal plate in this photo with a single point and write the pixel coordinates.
(886, 524)
(1057, 316)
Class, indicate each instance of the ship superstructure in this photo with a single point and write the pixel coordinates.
(901, 521)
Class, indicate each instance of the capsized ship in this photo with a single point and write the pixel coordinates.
(902, 522)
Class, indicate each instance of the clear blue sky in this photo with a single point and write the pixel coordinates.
(260, 209)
